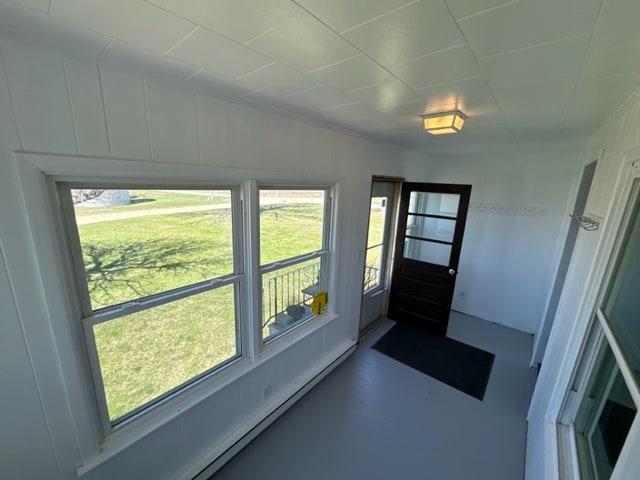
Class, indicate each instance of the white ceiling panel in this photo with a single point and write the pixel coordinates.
(518, 68)
(349, 112)
(472, 96)
(465, 8)
(601, 96)
(278, 79)
(158, 66)
(142, 25)
(449, 65)
(217, 85)
(320, 98)
(355, 72)
(239, 20)
(342, 15)
(617, 24)
(210, 50)
(612, 61)
(554, 58)
(549, 93)
(385, 95)
(528, 22)
(415, 30)
(303, 43)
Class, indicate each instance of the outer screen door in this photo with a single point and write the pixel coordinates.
(382, 217)
(430, 229)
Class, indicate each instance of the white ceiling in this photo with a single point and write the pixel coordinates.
(523, 70)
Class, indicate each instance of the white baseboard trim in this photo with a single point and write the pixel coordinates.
(197, 472)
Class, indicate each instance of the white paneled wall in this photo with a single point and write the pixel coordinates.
(618, 136)
(56, 104)
(507, 261)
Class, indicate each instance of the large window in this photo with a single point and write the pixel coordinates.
(159, 277)
(161, 280)
(293, 254)
(607, 413)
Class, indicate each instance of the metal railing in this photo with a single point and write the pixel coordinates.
(294, 287)
(370, 277)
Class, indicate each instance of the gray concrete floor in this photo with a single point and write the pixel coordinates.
(374, 418)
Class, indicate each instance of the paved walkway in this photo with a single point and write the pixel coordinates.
(147, 212)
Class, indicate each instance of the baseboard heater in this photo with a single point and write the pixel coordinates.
(234, 449)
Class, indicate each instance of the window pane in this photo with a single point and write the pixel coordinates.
(287, 294)
(157, 241)
(426, 251)
(445, 204)
(606, 414)
(377, 215)
(372, 267)
(623, 300)
(291, 223)
(431, 228)
(149, 353)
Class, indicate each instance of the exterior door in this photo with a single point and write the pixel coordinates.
(375, 285)
(431, 223)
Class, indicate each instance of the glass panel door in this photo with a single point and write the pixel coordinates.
(379, 237)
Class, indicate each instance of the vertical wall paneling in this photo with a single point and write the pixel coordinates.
(125, 107)
(577, 301)
(172, 123)
(505, 271)
(22, 423)
(249, 137)
(52, 403)
(213, 130)
(87, 108)
(9, 134)
(37, 84)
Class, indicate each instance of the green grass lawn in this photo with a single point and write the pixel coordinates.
(146, 354)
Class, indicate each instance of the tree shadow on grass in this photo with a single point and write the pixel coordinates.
(136, 267)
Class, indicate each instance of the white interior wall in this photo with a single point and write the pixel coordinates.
(617, 137)
(55, 104)
(514, 227)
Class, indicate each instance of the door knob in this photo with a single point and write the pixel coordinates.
(452, 272)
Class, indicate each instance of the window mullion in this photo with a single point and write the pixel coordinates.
(252, 322)
(145, 303)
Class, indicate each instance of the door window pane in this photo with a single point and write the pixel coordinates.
(431, 228)
(137, 243)
(149, 353)
(377, 216)
(372, 267)
(445, 204)
(623, 300)
(375, 240)
(291, 223)
(426, 251)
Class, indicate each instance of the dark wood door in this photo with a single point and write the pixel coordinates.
(430, 229)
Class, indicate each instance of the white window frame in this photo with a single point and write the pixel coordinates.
(323, 253)
(57, 305)
(572, 456)
(90, 317)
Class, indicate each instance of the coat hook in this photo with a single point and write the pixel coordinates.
(585, 222)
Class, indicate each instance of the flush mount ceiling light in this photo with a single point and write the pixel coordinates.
(444, 122)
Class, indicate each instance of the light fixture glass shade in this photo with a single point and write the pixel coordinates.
(444, 122)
